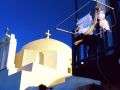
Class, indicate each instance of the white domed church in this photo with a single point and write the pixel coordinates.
(44, 61)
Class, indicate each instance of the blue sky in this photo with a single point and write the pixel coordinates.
(30, 19)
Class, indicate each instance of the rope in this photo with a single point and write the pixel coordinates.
(73, 13)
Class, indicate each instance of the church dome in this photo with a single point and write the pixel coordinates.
(47, 44)
(45, 49)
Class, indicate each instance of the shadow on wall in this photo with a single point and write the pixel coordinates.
(40, 87)
(32, 88)
(91, 87)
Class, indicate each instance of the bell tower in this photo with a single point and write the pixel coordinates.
(7, 50)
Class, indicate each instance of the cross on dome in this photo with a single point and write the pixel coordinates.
(48, 34)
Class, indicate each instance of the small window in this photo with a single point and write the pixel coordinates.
(41, 58)
(69, 70)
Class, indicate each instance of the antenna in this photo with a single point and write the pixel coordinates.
(104, 4)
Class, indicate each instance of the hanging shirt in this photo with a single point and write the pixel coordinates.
(102, 20)
(84, 24)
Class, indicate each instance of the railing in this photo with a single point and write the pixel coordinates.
(76, 59)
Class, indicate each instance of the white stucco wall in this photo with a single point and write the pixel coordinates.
(39, 75)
